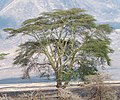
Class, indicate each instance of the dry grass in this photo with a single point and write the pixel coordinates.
(25, 96)
(67, 95)
(61, 94)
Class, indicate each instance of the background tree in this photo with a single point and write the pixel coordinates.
(69, 41)
(2, 56)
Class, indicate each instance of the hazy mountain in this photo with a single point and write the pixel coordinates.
(17, 11)
(13, 12)
(4, 3)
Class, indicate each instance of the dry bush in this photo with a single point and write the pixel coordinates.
(98, 89)
(64, 94)
(5, 97)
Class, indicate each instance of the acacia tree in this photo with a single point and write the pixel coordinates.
(70, 40)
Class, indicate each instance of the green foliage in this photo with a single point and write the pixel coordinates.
(2, 56)
(73, 44)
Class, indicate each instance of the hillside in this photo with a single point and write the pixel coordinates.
(19, 10)
(13, 12)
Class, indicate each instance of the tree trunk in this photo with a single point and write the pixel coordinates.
(65, 84)
(59, 83)
(58, 80)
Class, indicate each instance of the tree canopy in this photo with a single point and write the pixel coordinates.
(72, 44)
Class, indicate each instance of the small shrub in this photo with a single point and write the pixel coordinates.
(98, 89)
